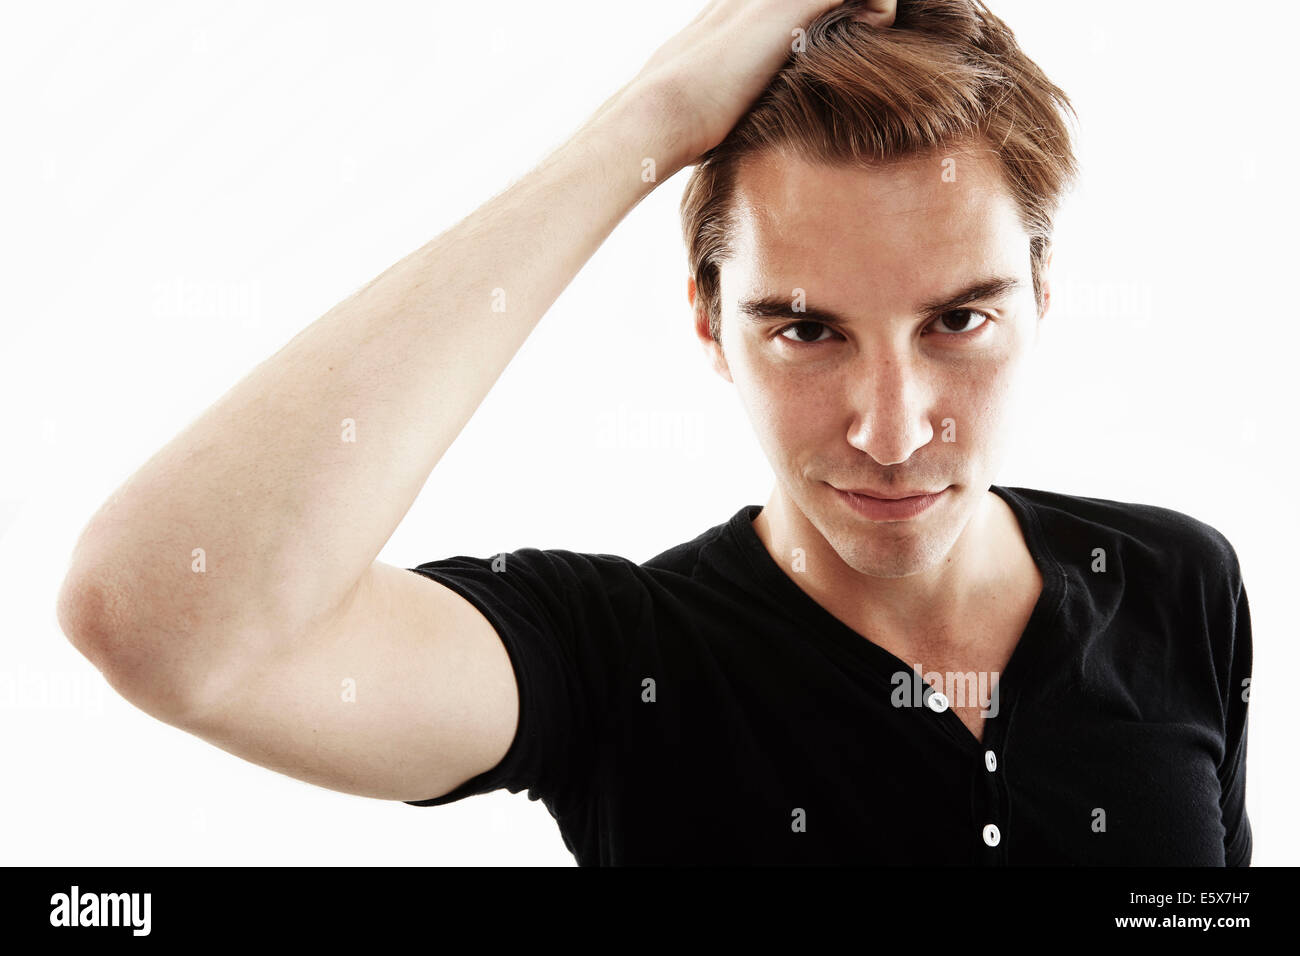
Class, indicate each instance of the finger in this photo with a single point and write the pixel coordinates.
(878, 13)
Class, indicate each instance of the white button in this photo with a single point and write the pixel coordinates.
(937, 702)
(990, 760)
(992, 835)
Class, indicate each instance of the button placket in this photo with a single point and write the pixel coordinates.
(988, 794)
(991, 819)
(993, 830)
(986, 817)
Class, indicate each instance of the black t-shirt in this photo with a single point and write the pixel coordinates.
(700, 708)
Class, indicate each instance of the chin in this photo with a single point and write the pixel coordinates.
(889, 561)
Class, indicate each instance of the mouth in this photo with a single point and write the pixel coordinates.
(881, 496)
(894, 507)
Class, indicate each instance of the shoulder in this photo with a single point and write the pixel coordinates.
(1160, 538)
(533, 562)
(563, 578)
(544, 575)
(551, 566)
(684, 559)
(1137, 571)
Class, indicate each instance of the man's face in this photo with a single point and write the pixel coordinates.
(908, 393)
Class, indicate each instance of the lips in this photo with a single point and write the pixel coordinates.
(898, 508)
(890, 496)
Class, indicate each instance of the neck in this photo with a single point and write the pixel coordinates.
(933, 601)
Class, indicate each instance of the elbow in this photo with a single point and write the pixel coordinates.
(81, 615)
(93, 619)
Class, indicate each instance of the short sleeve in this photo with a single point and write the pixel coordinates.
(1237, 840)
(560, 615)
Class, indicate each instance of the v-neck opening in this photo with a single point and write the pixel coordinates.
(876, 662)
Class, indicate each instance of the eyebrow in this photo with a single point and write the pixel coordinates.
(781, 307)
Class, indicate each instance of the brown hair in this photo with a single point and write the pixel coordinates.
(947, 74)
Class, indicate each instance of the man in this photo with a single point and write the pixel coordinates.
(893, 661)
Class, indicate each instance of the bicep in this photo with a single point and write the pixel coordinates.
(405, 692)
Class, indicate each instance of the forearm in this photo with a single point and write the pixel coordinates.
(294, 480)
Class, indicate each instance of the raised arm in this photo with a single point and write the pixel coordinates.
(294, 480)
(233, 576)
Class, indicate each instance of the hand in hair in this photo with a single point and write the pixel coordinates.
(705, 78)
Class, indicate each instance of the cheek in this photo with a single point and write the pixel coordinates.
(790, 401)
(789, 410)
(975, 398)
(982, 400)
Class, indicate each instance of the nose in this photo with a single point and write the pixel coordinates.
(891, 407)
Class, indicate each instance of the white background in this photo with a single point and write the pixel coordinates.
(186, 186)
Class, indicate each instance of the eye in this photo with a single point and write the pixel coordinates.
(962, 317)
(806, 326)
(959, 313)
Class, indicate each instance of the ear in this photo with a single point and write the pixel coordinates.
(712, 350)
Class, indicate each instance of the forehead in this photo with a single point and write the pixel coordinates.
(898, 230)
